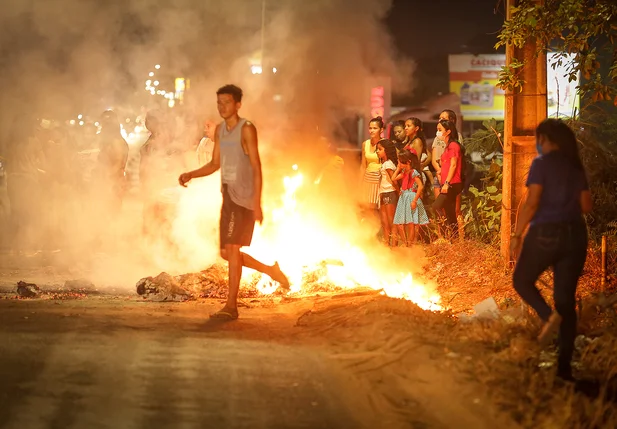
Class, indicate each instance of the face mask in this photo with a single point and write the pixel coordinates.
(440, 134)
(539, 147)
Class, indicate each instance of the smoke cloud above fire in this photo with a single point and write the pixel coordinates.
(62, 57)
(59, 56)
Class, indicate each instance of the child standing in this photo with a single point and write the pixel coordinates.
(410, 210)
(388, 188)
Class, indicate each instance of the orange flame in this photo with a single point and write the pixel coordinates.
(305, 240)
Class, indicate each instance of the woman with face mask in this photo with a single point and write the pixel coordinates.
(449, 176)
(557, 197)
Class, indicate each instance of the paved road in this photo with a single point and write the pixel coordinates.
(69, 367)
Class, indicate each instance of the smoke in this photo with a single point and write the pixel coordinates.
(59, 58)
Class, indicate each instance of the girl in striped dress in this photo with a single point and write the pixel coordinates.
(410, 211)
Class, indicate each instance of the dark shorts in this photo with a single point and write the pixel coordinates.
(237, 223)
(388, 198)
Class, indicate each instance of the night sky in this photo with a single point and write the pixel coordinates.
(428, 31)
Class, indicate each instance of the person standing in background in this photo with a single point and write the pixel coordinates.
(450, 176)
(206, 144)
(557, 198)
(388, 188)
(438, 148)
(398, 135)
(112, 159)
(370, 166)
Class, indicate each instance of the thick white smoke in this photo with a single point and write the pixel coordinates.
(62, 57)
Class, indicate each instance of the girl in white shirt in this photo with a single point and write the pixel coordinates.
(388, 188)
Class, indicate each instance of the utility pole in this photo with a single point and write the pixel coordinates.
(524, 110)
(263, 33)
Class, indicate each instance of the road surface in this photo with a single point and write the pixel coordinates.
(121, 363)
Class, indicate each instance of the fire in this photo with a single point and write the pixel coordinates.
(306, 237)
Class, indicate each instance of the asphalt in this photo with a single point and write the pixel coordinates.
(66, 366)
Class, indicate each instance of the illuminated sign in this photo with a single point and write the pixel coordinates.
(379, 99)
(377, 102)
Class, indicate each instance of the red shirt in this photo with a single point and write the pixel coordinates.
(452, 150)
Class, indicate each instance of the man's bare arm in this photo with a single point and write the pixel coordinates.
(249, 136)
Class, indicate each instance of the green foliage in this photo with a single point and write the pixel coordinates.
(585, 28)
(487, 140)
(482, 207)
(597, 134)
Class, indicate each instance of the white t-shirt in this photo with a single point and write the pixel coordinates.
(385, 184)
(205, 149)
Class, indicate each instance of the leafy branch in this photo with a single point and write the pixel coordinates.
(586, 29)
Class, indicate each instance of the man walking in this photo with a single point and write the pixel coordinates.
(236, 154)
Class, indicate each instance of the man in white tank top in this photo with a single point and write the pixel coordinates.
(237, 156)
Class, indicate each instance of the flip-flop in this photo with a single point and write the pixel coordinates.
(225, 315)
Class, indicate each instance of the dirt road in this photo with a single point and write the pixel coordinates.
(124, 364)
(118, 362)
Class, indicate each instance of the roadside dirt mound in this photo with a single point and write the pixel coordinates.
(395, 348)
(491, 373)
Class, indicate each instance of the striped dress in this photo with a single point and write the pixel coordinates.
(404, 214)
(372, 173)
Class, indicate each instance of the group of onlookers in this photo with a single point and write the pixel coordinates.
(411, 183)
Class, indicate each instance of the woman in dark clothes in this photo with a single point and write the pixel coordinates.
(558, 196)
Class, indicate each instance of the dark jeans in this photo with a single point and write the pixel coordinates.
(562, 246)
(447, 202)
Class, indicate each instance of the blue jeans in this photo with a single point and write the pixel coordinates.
(563, 247)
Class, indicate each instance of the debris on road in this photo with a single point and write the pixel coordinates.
(81, 285)
(28, 290)
(163, 287)
(487, 308)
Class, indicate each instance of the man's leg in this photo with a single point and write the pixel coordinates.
(234, 258)
(272, 271)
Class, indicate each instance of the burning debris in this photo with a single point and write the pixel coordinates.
(209, 283)
(28, 290)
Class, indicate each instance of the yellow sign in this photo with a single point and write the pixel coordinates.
(474, 78)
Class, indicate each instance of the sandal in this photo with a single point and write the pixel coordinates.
(225, 314)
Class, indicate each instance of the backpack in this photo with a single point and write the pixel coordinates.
(467, 167)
